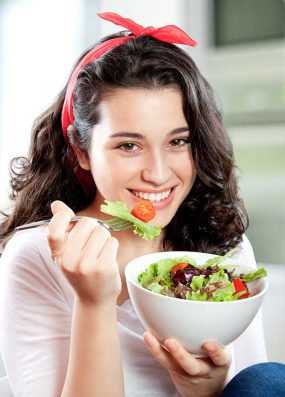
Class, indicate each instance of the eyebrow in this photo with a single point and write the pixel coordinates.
(140, 136)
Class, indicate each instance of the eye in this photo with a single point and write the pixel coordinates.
(180, 142)
(127, 146)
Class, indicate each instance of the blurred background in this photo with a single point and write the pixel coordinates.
(241, 52)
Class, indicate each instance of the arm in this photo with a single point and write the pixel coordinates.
(35, 318)
(94, 367)
(86, 254)
(38, 339)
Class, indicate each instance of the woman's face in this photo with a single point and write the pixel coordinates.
(140, 148)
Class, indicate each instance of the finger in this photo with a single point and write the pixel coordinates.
(60, 206)
(57, 232)
(58, 227)
(77, 239)
(160, 354)
(219, 355)
(91, 239)
(193, 366)
(108, 253)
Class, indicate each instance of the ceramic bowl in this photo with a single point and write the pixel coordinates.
(192, 322)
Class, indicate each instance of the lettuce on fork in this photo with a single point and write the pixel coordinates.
(119, 210)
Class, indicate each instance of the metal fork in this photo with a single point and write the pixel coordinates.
(115, 224)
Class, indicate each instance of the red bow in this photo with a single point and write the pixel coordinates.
(168, 33)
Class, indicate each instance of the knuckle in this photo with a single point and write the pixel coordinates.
(95, 225)
(55, 239)
(59, 217)
(87, 221)
(68, 263)
(179, 355)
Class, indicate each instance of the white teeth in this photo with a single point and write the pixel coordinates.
(153, 196)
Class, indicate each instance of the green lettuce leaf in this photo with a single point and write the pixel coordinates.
(197, 282)
(148, 276)
(120, 210)
(156, 287)
(225, 294)
(218, 276)
(197, 296)
(259, 273)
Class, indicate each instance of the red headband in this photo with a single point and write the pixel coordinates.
(170, 34)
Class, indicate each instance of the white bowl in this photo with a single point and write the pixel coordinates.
(192, 322)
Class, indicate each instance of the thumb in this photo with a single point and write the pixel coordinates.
(59, 206)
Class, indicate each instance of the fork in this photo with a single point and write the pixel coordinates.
(115, 224)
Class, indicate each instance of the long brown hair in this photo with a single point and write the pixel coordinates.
(212, 218)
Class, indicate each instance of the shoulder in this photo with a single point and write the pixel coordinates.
(26, 245)
(26, 260)
(244, 254)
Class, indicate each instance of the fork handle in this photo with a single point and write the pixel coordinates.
(47, 221)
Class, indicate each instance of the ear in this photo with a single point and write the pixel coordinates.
(82, 157)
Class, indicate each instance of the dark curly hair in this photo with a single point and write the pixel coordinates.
(211, 219)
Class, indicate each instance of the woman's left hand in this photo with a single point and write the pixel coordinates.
(192, 376)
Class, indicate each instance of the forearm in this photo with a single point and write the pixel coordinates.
(94, 367)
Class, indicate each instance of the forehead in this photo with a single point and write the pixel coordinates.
(142, 110)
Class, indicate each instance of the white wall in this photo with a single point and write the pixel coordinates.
(39, 43)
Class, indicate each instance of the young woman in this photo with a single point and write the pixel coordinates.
(136, 119)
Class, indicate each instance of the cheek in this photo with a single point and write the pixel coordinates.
(110, 170)
(185, 168)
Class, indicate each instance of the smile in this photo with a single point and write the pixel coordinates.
(159, 200)
(156, 197)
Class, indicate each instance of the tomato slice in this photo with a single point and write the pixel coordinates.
(178, 266)
(240, 286)
(144, 210)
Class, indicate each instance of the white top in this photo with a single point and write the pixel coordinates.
(35, 325)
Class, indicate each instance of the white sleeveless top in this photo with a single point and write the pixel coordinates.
(35, 325)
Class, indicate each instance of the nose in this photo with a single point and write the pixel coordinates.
(156, 169)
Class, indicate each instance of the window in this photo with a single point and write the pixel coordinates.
(243, 21)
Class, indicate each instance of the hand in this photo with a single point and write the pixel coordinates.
(192, 376)
(86, 253)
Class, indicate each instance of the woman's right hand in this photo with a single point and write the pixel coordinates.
(87, 255)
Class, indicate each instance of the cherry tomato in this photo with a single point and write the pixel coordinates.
(144, 210)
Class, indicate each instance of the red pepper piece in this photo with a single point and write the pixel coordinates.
(240, 286)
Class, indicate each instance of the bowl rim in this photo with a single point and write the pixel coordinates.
(239, 301)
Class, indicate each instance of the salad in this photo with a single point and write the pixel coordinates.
(138, 217)
(181, 278)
